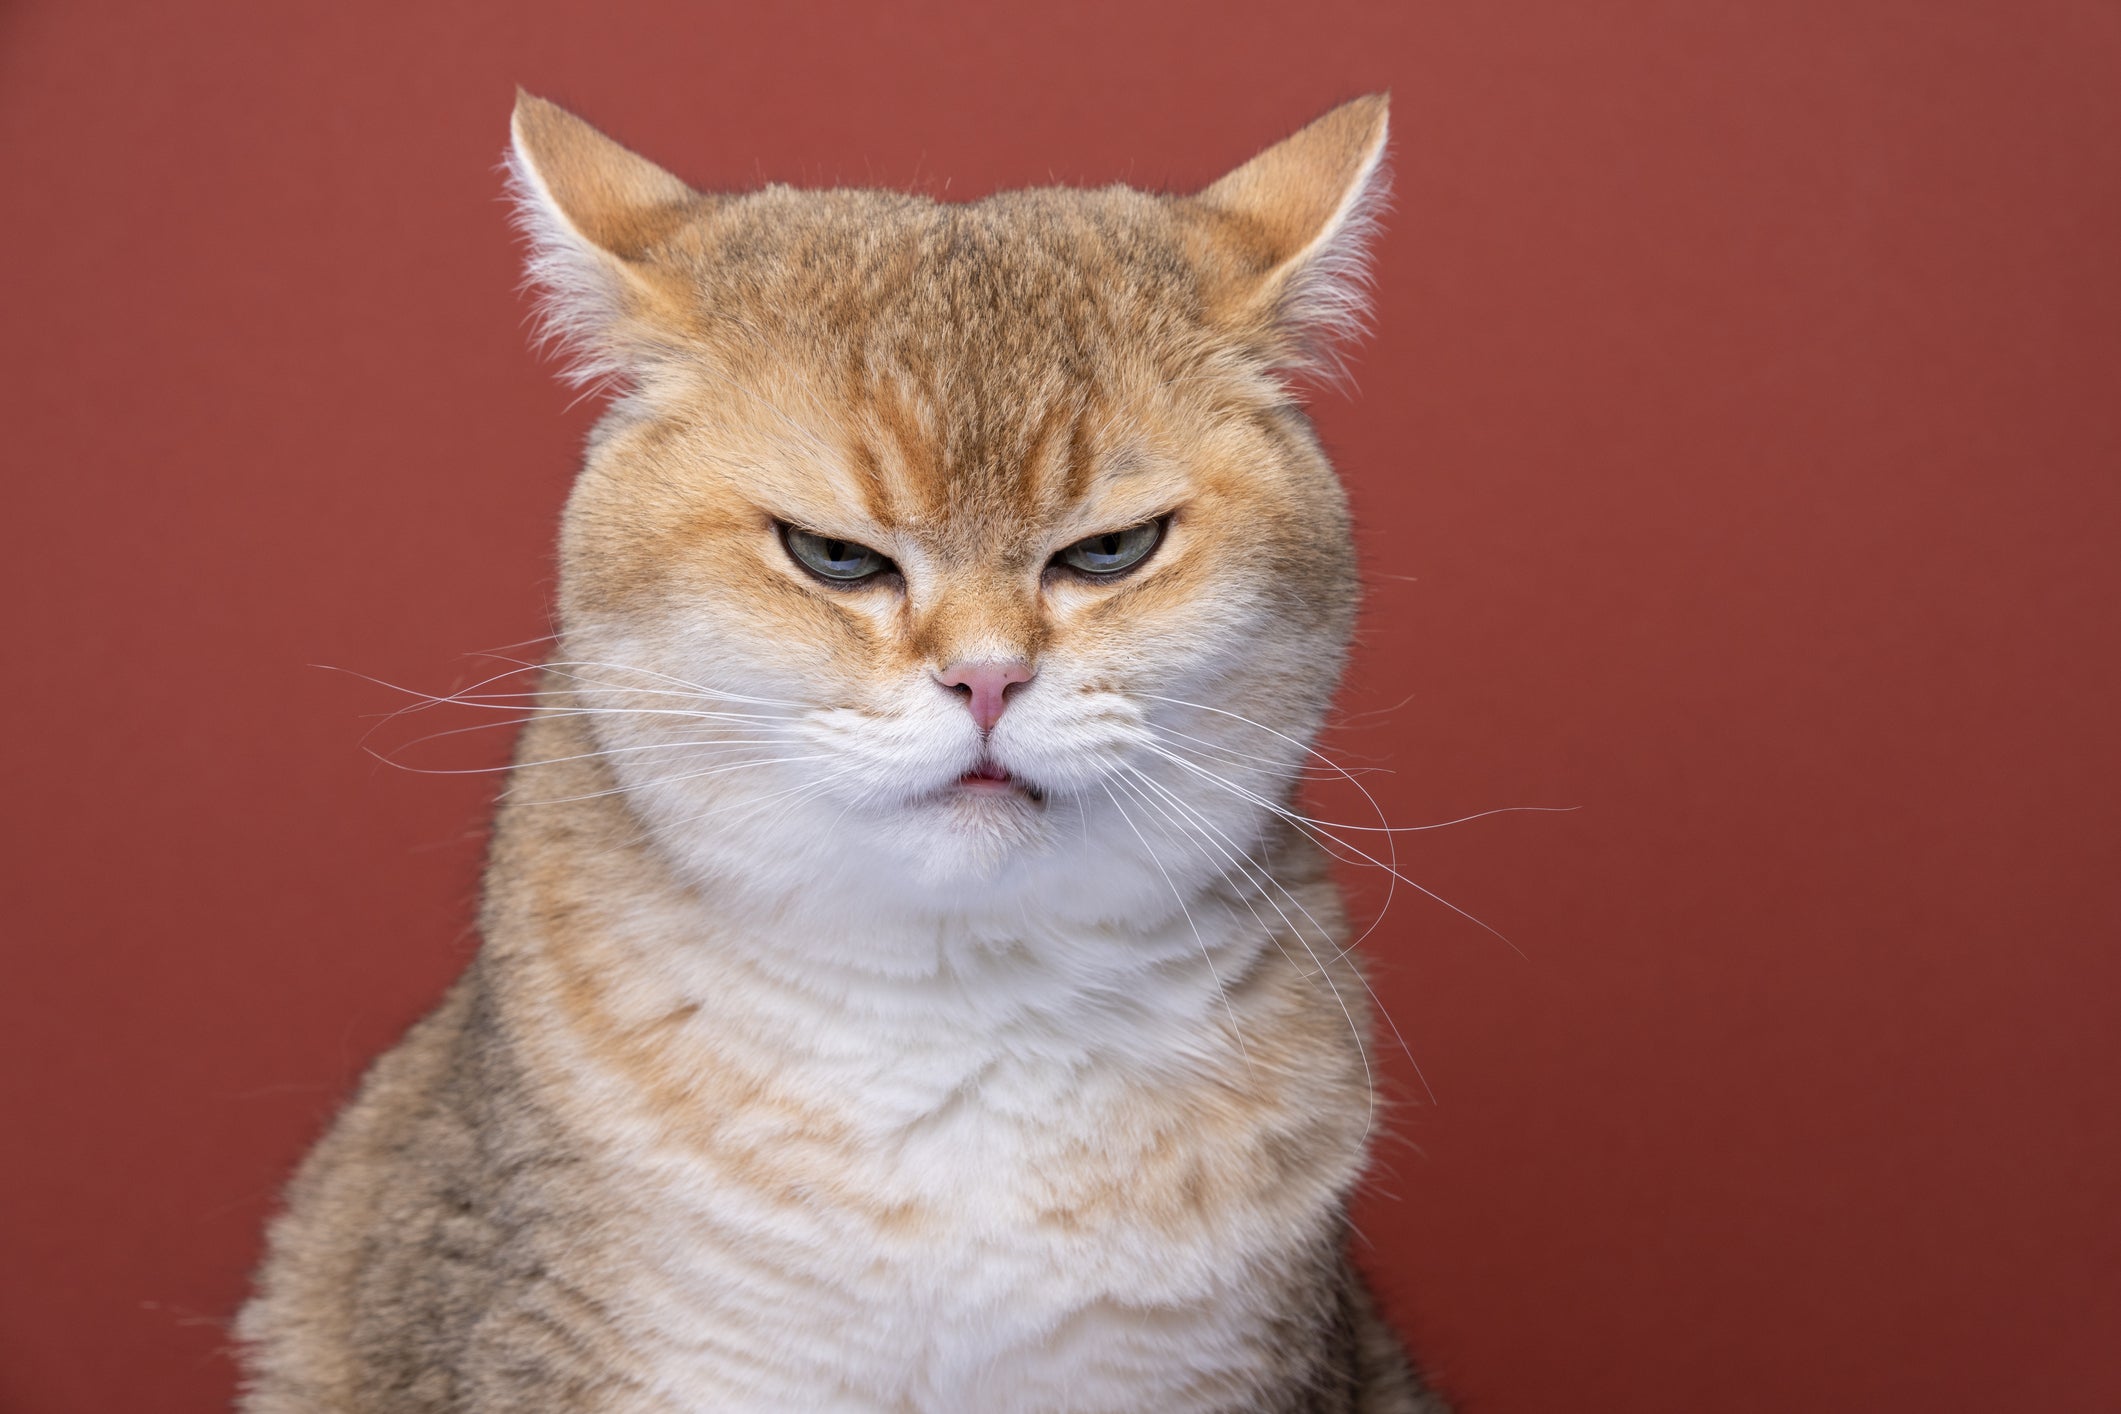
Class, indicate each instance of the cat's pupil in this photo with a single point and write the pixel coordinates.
(1108, 544)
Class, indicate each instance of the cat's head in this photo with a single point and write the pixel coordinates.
(961, 558)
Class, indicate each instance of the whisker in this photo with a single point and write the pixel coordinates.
(701, 688)
(1392, 873)
(718, 770)
(1251, 868)
(560, 666)
(1344, 719)
(1236, 1033)
(1318, 968)
(1390, 868)
(431, 700)
(817, 786)
(1328, 841)
(1280, 767)
(534, 715)
(1333, 769)
(697, 744)
(1141, 778)
(568, 694)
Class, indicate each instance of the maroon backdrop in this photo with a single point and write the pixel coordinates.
(1738, 460)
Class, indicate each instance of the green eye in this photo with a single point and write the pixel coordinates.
(1114, 551)
(827, 558)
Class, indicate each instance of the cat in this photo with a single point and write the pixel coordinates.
(903, 986)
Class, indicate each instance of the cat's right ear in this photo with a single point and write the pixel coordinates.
(596, 218)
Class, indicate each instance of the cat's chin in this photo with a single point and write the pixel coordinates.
(989, 806)
(973, 828)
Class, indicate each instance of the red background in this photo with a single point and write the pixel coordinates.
(1737, 461)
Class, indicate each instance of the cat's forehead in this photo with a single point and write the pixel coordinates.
(957, 369)
(1076, 257)
(993, 310)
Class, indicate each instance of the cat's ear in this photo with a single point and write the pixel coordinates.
(1292, 231)
(596, 217)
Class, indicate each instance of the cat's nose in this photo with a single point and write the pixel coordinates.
(985, 686)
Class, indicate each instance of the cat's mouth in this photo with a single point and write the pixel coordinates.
(990, 777)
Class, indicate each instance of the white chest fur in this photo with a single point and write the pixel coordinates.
(948, 1195)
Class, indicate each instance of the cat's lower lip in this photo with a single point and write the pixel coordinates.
(990, 779)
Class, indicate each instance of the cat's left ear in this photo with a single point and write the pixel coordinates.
(1290, 233)
(597, 219)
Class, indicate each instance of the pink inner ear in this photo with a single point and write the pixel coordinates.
(985, 686)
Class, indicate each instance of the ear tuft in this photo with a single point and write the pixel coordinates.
(1304, 214)
(593, 216)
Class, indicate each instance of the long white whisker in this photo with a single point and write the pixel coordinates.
(1343, 719)
(1318, 831)
(1236, 1034)
(705, 743)
(681, 686)
(1249, 870)
(1254, 870)
(1392, 873)
(722, 769)
(539, 714)
(1164, 734)
(500, 649)
(1354, 1031)
(534, 696)
(559, 664)
(1328, 842)
(817, 786)
(1279, 765)
(1241, 891)
(429, 699)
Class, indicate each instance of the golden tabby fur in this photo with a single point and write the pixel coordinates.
(834, 1046)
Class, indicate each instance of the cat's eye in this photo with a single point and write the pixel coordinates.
(841, 561)
(1115, 551)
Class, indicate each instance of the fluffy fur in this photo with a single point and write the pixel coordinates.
(794, 1073)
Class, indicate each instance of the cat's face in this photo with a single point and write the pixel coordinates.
(969, 558)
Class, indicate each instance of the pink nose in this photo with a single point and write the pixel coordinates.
(985, 686)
